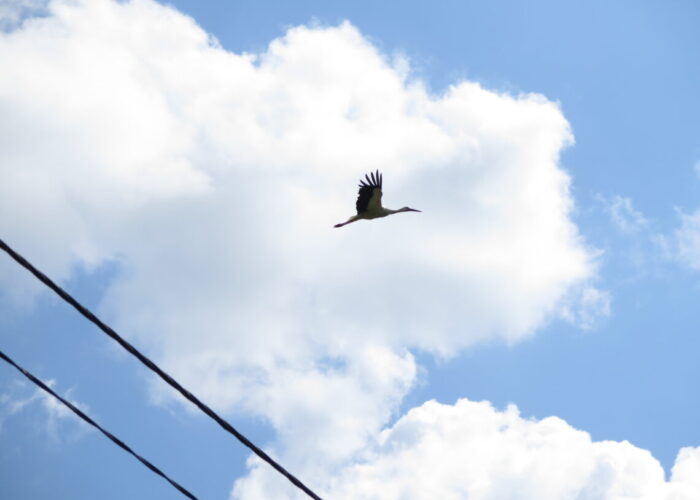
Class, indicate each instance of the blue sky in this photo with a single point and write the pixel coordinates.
(622, 367)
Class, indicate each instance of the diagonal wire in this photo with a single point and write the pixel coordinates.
(155, 368)
(90, 421)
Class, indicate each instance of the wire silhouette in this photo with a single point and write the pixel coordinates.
(90, 421)
(155, 368)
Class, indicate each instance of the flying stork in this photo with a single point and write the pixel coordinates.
(369, 201)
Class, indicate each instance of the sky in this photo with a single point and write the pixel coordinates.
(179, 168)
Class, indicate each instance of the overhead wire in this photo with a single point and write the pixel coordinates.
(90, 421)
(90, 316)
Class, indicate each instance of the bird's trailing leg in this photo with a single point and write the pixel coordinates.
(351, 219)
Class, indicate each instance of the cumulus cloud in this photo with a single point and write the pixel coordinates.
(471, 450)
(129, 135)
(13, 12)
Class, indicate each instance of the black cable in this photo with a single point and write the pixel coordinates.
(153, 367)
(90, 421)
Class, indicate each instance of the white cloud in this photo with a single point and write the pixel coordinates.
(643, 249)
(214, 179)
(471, 450)
(686, 470)
(12, 403)
(625, 217)
(685, 242)
(13, 12)
(588, 307)
(16, 400)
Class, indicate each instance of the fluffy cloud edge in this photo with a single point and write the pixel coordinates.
(472, 450)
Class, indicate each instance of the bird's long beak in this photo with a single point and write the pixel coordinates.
(414, 210)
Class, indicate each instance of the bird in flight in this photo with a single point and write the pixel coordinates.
(369, 201)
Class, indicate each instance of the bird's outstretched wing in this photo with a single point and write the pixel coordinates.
(369, 198)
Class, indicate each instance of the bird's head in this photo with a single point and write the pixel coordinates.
(407, 209)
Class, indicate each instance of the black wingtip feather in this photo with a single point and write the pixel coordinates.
(373, 179)
(367, 185)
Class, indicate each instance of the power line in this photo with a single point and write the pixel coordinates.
(155, 368)
(90, 421)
